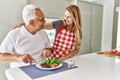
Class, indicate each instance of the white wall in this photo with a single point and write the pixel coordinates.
(107, 25)
(10, 14)
(118, 34)
(109, 31)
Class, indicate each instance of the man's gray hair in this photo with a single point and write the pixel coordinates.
(29, 13)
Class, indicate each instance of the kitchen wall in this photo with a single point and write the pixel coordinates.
(110, 20)
(10, 15)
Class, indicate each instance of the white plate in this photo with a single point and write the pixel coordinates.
(39, 66)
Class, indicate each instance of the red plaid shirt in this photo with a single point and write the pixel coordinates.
(63, 43)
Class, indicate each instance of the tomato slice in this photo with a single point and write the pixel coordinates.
(54, 65)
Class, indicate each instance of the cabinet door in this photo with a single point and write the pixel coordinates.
(86, 24)
(96, 27)
(91, 27)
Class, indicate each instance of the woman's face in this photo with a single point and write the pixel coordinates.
(68, 18)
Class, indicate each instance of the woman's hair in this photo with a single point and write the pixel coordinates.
(77, 28)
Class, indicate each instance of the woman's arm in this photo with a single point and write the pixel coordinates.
(48, 25)
(72, 53)
(54, 24)
(18, 25)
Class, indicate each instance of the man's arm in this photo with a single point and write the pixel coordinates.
(7, 57)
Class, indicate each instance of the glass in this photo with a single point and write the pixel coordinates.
(71, 62)
(117, 59)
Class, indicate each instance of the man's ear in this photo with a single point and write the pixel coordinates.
(31, 22)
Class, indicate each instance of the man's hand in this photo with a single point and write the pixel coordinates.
(46, 52)
(26, 58)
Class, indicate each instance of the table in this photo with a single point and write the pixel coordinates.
(90, 67)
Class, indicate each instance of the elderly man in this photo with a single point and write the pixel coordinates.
(29, 42)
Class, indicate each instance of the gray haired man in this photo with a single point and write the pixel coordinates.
(29, 39)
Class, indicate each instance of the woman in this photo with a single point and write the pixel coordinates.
(68, 34)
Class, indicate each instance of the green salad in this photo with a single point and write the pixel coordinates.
(52, 61)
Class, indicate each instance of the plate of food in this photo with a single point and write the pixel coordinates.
(110, 53)
(51, 64)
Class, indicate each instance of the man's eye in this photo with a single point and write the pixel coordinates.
(42, 19)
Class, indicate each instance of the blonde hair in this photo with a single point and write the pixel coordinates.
(76, 16)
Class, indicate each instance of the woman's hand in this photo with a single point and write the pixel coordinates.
(63, 58)
(46, 52)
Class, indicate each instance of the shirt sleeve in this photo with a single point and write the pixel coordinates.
(57, 24)
(8, 43)
(47, 42)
